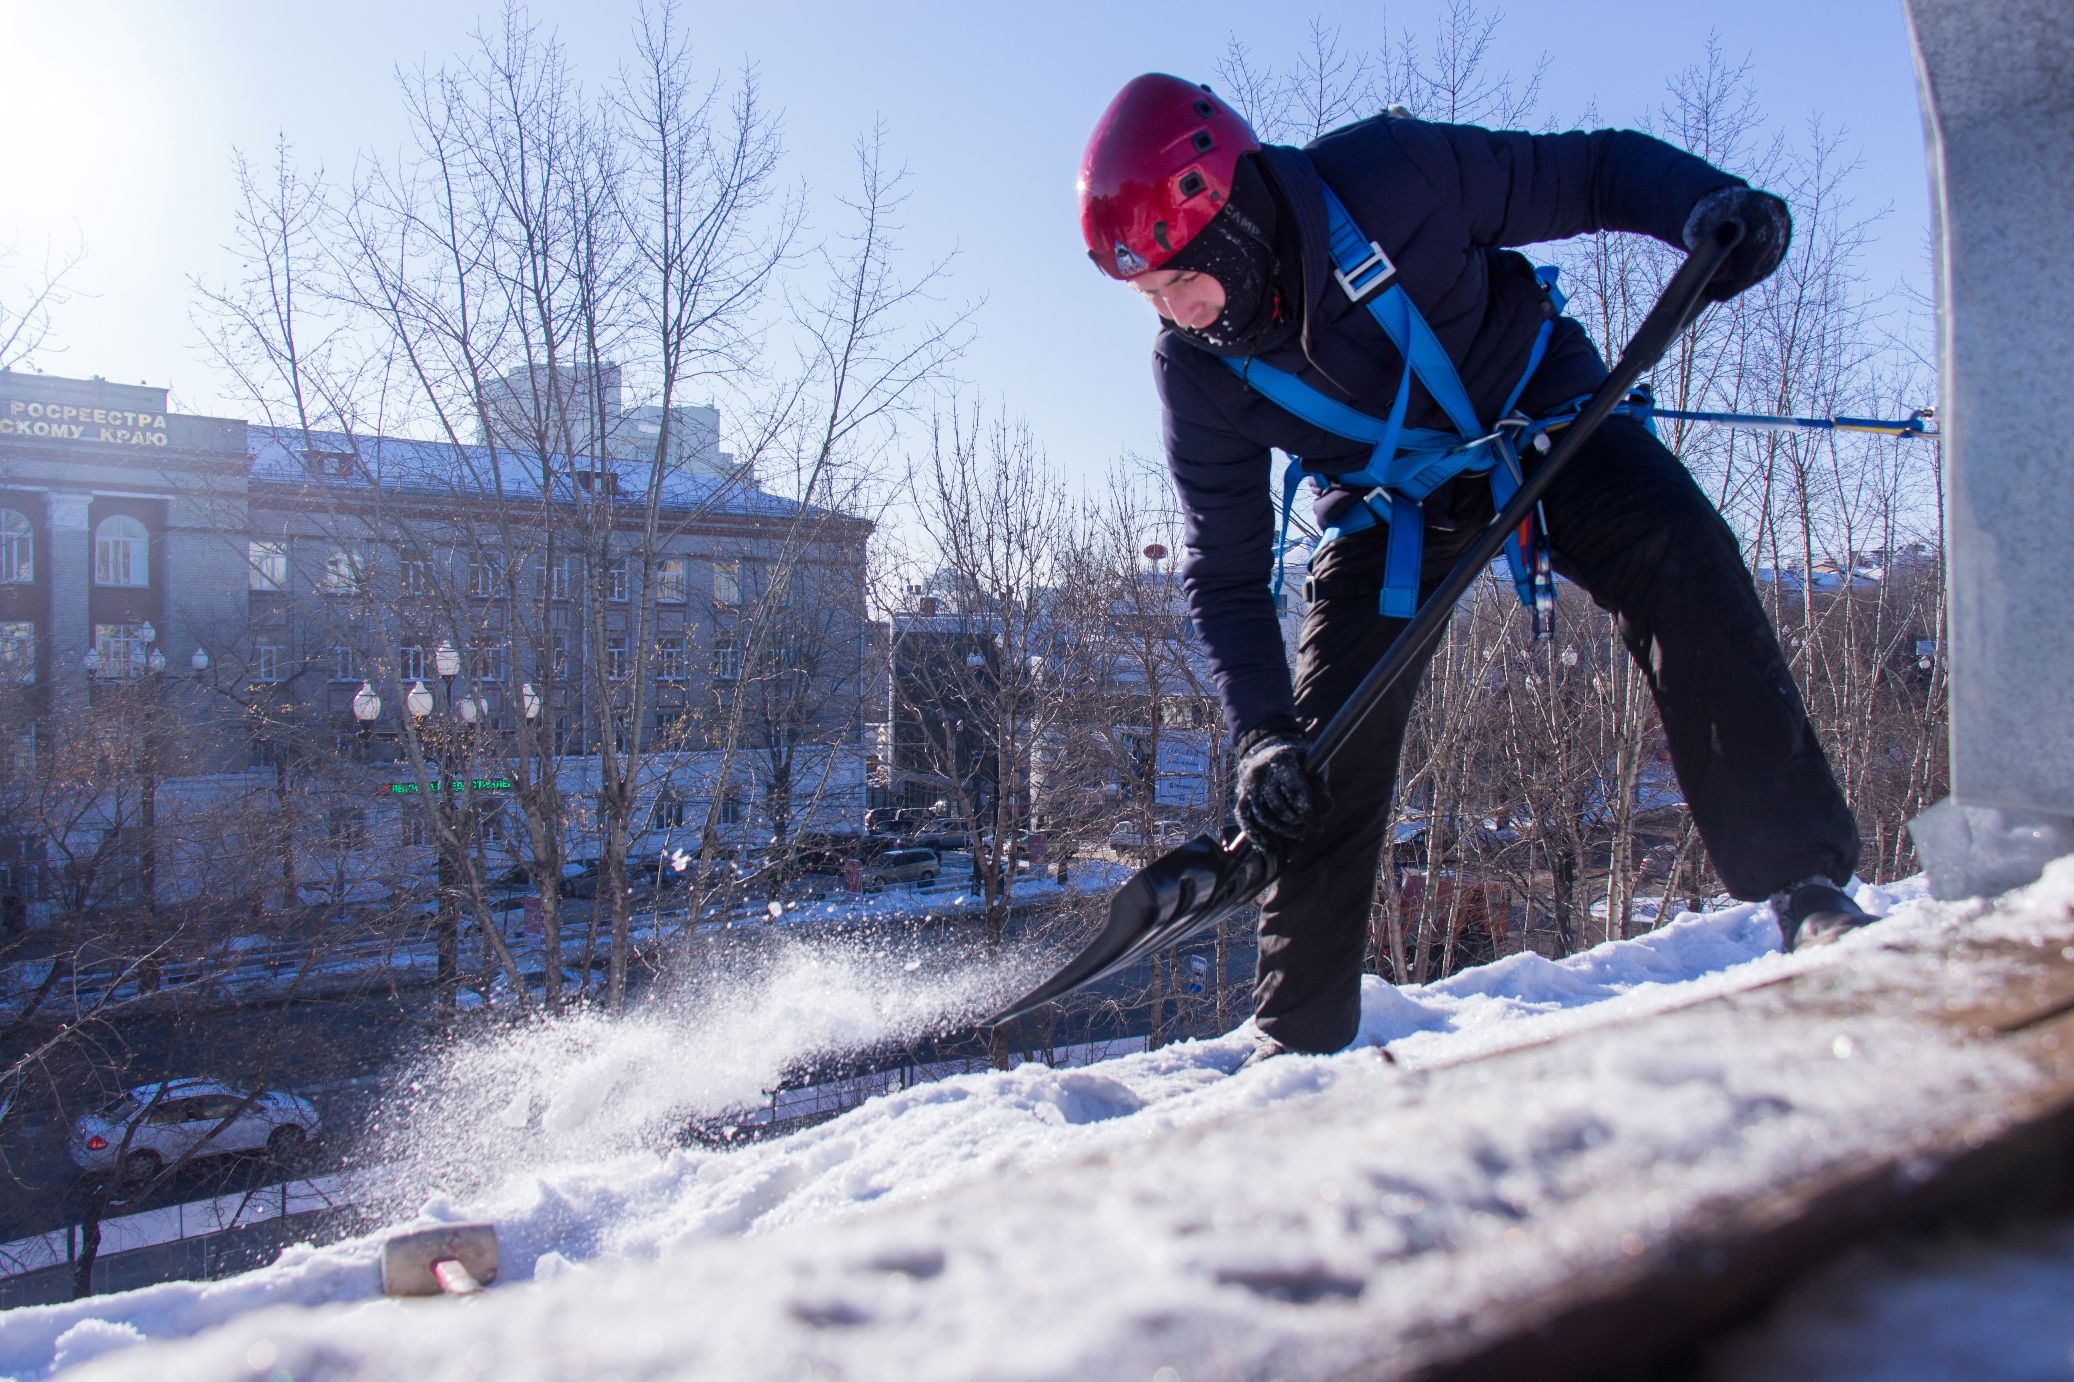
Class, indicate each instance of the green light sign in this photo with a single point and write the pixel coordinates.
(472, 784)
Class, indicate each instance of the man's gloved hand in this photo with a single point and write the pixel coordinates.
(1767, 231)
(1278, 797)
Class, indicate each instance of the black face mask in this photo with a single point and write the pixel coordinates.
(1236, 249)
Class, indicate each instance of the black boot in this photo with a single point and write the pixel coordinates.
(1265, 1048)
(1816, 912)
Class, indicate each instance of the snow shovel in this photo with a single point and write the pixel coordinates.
(450, 1259)
(1198, 884)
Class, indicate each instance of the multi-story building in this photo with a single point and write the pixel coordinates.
(578, 408)
(267, 587)
(1117, 718)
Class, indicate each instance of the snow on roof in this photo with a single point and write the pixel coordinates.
(343, 461)
(1152, 1212)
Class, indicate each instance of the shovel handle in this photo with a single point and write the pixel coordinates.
(455, 1279)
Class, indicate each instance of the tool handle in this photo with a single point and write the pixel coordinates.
(455, 1279)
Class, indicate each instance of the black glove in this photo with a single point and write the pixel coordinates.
(1278, 798)
(1767, 231)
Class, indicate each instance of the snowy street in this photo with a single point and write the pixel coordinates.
(1538, 1122)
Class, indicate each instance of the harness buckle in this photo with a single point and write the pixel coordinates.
(1368, 277)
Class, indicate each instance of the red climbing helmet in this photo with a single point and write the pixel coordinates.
(1157, 168)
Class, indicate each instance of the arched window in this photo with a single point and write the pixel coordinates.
(17, 549)
(122, 552)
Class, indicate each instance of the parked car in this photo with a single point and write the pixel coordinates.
(146, 1129)
(641, 875)
(899, 820)
(501, 995)
(903, 866)
(1128, 833)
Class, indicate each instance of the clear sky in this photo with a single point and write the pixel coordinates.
(120, 119)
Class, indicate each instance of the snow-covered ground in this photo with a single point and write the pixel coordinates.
(1151, 1216)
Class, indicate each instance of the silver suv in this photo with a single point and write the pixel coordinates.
(148, 1128)
(917, 866)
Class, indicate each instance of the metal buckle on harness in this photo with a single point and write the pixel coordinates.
(1368, 277)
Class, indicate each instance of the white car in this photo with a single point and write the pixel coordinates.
(917, 866)
(148, 1128)
(1129, 833)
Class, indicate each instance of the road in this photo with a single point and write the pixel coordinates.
(344, 1052)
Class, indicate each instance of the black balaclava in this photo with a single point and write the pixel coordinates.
(1237, 248)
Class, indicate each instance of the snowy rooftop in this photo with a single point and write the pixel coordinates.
(1307, 1217)
(343, 461)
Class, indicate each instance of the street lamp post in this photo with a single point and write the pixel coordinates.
(467, 711)
(418, 702)
(367, 708)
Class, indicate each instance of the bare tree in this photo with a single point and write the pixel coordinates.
(27, 306)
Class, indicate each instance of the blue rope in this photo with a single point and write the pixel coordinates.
(1916, 425)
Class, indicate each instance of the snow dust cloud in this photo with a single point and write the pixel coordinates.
(508, 1099)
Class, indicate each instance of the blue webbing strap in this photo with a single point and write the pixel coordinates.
(1547, 274)
(1402, 322)
(1405, 466)
(1292, 480)
(1402, 559)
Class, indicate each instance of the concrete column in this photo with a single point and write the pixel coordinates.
(71, 581)
(1997, 83)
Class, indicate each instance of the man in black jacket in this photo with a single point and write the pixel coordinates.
(1228, 241)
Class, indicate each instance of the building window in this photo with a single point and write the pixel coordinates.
(122, 552)
(558, 654)
(616, 656)
(669, 658)
(413, 828)
(727, 583)
(122, 652)
(492, 663)
(727, 657)
(730, 807)
(616, 580)
(270, 662)
(18, 652)
(17, 549)
(672, 579)
(267, 566)
(344, 573)
(21, 751)
(484, 574)
(346, 826)
(415, 571)
(411, 662)
(344, 663)
(667, 813)
(554, 580)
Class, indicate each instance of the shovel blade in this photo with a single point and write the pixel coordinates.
(1181, 894)
(411, 1261)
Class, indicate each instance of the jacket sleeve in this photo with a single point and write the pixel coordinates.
(1229, 533)
(1520, 189)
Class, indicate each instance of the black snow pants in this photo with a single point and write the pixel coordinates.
(1629, 525)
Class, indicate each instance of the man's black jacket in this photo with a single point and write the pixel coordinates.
(1442, 201)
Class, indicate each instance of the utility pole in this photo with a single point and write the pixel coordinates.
(1997, 84)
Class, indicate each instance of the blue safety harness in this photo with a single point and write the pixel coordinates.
(1407, 464)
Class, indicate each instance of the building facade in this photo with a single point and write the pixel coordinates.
(263, 604)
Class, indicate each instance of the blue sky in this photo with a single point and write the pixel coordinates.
(121, 118)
